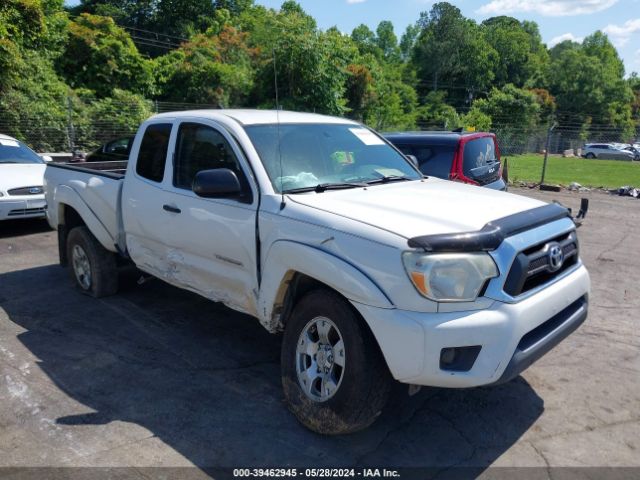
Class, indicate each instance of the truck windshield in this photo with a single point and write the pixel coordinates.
(12, 151)
(297, 156)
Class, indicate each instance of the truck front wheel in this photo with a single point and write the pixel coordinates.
(334, 376)
(93, 268)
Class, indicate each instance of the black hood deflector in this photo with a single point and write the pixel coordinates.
(493, 233)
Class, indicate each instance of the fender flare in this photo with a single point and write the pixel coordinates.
(286, 257)
(66, 196)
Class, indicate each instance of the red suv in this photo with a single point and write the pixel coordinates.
(464, 157)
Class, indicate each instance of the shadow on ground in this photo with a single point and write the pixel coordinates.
(205, 381)
(20, 228)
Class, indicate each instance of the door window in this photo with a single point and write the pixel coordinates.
(198, 148)
(153, 152)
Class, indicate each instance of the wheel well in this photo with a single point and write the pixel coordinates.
(68, 219)
(294, 287)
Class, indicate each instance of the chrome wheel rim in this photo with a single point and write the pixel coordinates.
(81, 266)
(320, 359)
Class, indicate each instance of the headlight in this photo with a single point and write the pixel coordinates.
(449, 277)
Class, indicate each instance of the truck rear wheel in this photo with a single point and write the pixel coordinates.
(92, 267)
(334, 376)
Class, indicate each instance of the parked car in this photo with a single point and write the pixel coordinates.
(635, 151)
(115, 150)
(320, 229)
(21, 178)
(472, 158)
(607, 151)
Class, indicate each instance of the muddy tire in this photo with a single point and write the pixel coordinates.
(334, 376)
(92, 268)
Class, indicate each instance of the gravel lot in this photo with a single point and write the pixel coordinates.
(159, 377)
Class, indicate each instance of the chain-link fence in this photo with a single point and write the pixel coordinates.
(83, 126)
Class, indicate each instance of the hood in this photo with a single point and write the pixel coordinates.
(16, 175)
(411, 209)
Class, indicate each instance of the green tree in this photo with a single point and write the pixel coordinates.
(366, 41)
(520, 49)
(435, 113)
(387, 41)
(588, 81)
(514, 115)
(452, 53)
(209, 69)
(408, 41)
(101, 56)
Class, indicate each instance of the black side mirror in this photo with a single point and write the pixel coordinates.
(414, 160)
(216, 183)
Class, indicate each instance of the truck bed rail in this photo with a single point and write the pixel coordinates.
(115, 170)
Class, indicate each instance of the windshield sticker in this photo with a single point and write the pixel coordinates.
(9, 143)
(367, 137)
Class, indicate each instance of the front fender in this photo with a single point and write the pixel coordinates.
(287, 257)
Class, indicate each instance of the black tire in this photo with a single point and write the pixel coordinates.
(590, 155)
(365, 381)
(103, 278)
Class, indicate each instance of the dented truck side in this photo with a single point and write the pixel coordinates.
(319, 228)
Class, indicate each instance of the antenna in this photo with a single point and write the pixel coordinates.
(275, 79)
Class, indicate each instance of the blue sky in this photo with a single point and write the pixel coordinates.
(558, 19)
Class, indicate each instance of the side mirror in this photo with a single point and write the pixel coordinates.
(414, 160)
(46, 158)
(216, 183)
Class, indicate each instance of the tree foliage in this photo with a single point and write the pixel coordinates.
(101, 56)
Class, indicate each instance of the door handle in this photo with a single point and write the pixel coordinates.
(172, 209)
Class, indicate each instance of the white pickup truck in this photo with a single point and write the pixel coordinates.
(319, 228)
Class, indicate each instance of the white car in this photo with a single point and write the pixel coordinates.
(21, 179)
(318, 227)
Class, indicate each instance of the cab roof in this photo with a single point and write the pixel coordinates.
(258, 117)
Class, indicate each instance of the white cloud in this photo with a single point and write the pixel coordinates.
(620, 34)
(546, 7)
(355, 1)
(565, 36)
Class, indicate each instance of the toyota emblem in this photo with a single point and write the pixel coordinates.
(556, 257)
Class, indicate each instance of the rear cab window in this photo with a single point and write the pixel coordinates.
(153, 152)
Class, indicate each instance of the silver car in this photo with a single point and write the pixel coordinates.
(609, 151)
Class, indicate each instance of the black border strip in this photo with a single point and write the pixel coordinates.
(102, 173)
(493, 233)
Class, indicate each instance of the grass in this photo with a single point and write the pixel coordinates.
(563, 171)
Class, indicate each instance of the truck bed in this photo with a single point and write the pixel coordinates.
(92, 189)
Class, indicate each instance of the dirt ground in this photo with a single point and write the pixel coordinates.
(159, 377)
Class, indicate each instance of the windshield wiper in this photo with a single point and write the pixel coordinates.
(389, 178)
(323, 187)
(7, 161)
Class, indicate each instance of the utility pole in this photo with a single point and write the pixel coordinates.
(71, 132)
(546, 153)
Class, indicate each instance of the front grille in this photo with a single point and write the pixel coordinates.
(26, 211)
(35, 190)
(534, 267)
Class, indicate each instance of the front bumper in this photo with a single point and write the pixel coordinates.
(19, 207)
(512, 336)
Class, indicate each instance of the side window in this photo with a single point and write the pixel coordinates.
(405, 149)
(198, 148)
(153, 152)
(435, 160)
